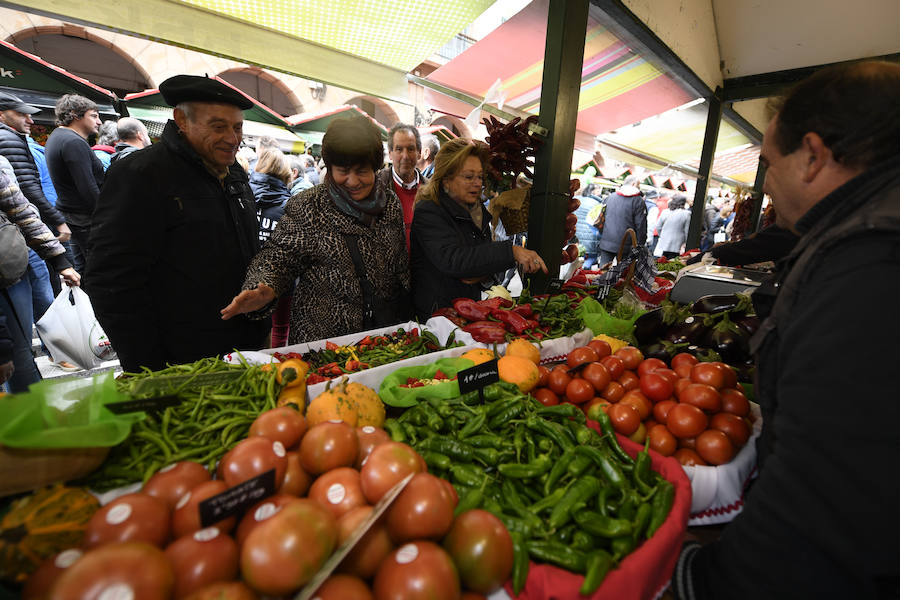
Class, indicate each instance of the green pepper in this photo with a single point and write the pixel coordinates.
(452, 448)
(537, 467)
(561, 411)
(621, 546)
(471, 500)
(473, 424)
(610, 435)
(580, 491)
(487, 456)
(515, 503)
(557, 554)
(395, 430)
(501, 406)
(558, 470)
(559, 435)
(641, 473)
(583, 433)
(505, 416)
(610, 469)
(579, 465)
(661, 505)
(519, 441)
(548, 501)
(565, 534)
(485, 440)
(582, 540)
(526, 490)
(435, 460)
(599, 562)
(602, 526)
(520, 562)
(641, 520)
(468, 474)
(443, 409)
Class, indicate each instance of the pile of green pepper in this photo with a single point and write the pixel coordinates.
(208, 422)
(568, 495)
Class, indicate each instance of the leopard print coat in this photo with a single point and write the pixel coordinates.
(308, 245)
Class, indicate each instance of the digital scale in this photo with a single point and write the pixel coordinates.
(696, 281)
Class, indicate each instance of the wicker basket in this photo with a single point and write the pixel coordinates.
(26, 469)
(512, 208)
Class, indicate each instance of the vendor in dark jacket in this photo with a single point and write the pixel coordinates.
(451, 249)
(821, 520)
(173, 233)
(625, 210)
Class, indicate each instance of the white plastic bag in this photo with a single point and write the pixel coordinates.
(71, 332)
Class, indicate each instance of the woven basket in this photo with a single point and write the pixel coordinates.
(26, 469)
(513, 208)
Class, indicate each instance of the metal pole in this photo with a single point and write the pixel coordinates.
(560, 87)
(713, 119)
(755, 212)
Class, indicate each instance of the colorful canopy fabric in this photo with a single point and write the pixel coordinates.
(319, 120)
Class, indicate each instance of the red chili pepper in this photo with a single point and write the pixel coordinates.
(331, 346)
(495, 302)
(579, 277)
(486, 332)
(315, 378)
(440, 375)
(516, 322)
(366, 341)
(523, 309)
(415, 332)
(469, 309)
(572, 283)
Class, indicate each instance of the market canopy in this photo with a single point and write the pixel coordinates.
(363, 46)
(40, 83)
(319, 120)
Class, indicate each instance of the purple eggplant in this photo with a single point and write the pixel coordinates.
(714, 304)
(662, 350)
(729, 340)
(649, 326)
(691, 331)
(749, 323)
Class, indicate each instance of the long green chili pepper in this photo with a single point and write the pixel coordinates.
(520, 562)
(661, 505)
(598, 564)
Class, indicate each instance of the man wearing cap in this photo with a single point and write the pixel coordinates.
(174, 230)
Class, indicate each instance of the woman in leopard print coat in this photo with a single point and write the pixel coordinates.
(343, 240)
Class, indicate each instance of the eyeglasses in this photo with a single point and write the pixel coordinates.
(472, 178)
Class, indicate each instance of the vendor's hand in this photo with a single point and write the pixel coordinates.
(71, 277)
(65, 234)
(249, 301)
(6, 371)
(529, 260)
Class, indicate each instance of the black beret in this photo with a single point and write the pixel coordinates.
(193, 88)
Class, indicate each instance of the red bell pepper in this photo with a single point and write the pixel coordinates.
(486, 332)
(516, 322)
(469, 309)
(331, 346)
(495, 302)
(449, 314)
(523, 309)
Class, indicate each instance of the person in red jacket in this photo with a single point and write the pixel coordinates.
(404, 149)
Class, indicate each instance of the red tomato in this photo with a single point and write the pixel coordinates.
(630, 356)
(629, 381)
(709, 373)
(590, 409)
(186, 517)
(342, 587)
(579, 391)
(582, 355)
(625, 419)
(733, 426)
(170, 483)
(680, 385)
(338, 490)
(689, 442)
(682, 359)
(206, 556)
(649, 365)
(369, 437)
(729, 373)
(283, 552)
(296, 480)
(259, 512)
(545, 396)
(251, 457)
(613, 364)
(689, 458)
(614, 391)
(597, 375)
(714, 447)
(650, 423)
(662, 440)
(417, 570)
(231, 590)
(638, 402)
(661, 410)
(328, 446)
(735, 402)
(683, 370)
(370, 550)
(601, 347)
(704, 397)
(423, 510)
(125, 569)
(284, 424)
(454, 497)
(386, 466)
(669, 374)
(543, 375)
(129, 518)
(656, 387)
(482, 550)
(558, 379)
(41, 581)
(686, 420)
(639, 435)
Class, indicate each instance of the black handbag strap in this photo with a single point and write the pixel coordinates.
(368, 290)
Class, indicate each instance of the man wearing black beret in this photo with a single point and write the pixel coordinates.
(173, 233)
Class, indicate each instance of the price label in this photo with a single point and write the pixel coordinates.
(475, 378)
(603, 291)
(237, 499)
(143, 405)
(554, 286)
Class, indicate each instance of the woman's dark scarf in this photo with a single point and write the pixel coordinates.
(365, 211)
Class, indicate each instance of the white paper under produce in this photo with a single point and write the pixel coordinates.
(344, 340)
(718, 492)
(553, 350)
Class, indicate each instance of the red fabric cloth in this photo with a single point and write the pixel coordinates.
(407, 199)
(645, 572)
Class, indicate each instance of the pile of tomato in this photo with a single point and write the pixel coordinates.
(696, 412)
(150, 544)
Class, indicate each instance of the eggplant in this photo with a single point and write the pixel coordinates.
(729, 340)
(704, 354)
(662, 350)
(649, 326)
(749, 323)
(691, 331)
(713, 304)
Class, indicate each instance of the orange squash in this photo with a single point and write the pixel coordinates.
(40, 525)
(520, 371)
